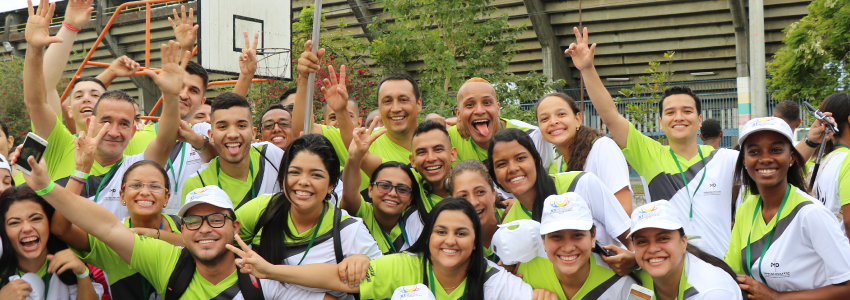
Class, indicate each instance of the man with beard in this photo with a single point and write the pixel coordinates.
(242, 169)
(113, 120)
(479, 114)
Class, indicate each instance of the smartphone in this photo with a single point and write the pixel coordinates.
(603, 251)
(33, 146)
(638, 292)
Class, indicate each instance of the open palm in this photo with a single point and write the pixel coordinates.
(170, 79)
(78, 12)
(37, 33)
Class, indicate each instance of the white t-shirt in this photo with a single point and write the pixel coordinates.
(183, 161)
(710, 282)
(608, 214)
(503, 285)
(606, 161)
(109, 196)
(58, 290)
(834, 178)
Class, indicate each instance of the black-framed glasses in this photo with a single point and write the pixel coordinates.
(216, 220)
(402, 190)
(289, 107)
(269, 125)
(155, 188)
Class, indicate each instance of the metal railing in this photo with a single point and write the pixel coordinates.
(57, 20)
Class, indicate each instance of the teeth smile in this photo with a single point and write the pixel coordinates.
(229, 145)
(655, 260)
(767, 171)
(144, 202)
(568, 257)
(559, 131)
(390, 202)
(434, 168)
(29, 239)
(302, 193)
(205, 241)
(480, 121)
(277, 139)
(451, 251)
(480, 211)
(397, 118)
(515, 179)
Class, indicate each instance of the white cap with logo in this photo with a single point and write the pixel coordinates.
(565, 211)
(656, 214)
(518, 241)
(413, 292)
(4, 164)
(770, 123)
(210, 194)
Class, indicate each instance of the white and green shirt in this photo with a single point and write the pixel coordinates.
(105, 188)
(124, 282)
(605, 160)
(609, 216)
(354, 237)
(712, 195)
(700, 281)
(467, 149)
(387, 273)
(156, 260)
(55, 288)
(265, 162)
(402, 236)
(601, 283)
(807, 249)
(832, 185)
(183, 162)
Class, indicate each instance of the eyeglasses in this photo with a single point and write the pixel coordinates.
(385, 188)
(289, 106)
(216, 220)
(269, 125)
(155, 188)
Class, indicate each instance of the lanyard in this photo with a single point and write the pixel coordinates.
(112, 170)
(525, 210)
(688, 190)
(431, 283)
(179, 174)
(250, 172)
(403, 234)
(561, 165)
(146, 286)
(841, 145)
(769, 236)
(431, 202)
(316, 231)
(46, 279)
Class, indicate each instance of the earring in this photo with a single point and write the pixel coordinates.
(577, 128)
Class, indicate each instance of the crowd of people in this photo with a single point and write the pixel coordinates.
(206, 204)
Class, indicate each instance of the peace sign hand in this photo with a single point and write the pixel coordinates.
(336, 93)
(184, 31)
(85, 145)
(36, 32)
(248, 58)
(250, 262)
(363, 139)
(581, 52)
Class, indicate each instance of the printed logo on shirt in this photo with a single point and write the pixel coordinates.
(713, 190)
(369, 274)
(777, 273)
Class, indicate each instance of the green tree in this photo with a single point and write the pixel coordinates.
(454, 40)
(642, 99)
(814, 61)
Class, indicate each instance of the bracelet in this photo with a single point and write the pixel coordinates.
(204, 147)
(74, 178)
(72, 28)
(84, 275)
(46, 190)
(80, 174)
(157, 233)
(812, 144)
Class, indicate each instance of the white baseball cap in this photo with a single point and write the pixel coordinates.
(565, 211)
(413, 292)
(210, 194)
(4, 164)
(656, 214)
(517, 241)
(769, 123)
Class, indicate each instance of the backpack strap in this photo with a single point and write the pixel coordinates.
(180, 277)
(263, 154)
(177, 220)
(336, 235)
(203, 184)
(250, 286)
(258, 180)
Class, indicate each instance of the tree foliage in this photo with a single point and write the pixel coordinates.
(448, 42)
(642, 99)
(814, 61)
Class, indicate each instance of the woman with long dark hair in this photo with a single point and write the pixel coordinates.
(832, 184)
(29, 247)
(395, 199)
(448, 258)
(295, 226)
(582, 148)
(783, 243)
(469, 180)
(515, 165)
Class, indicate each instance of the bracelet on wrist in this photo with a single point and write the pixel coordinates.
(72, 28)
(204, 147)
(80, 174)
(74, 178)
(157, 233)
(812, 144)
(46, 190)
(85, 274)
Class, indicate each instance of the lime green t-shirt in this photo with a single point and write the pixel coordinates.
(236, 189)
(540, 274)
(428, 199)
(59, 155)
(563, 182)
(389, 272)
(156, 260)
(250, 213)
(398, 240)
(686, 290)
(387, 150)
(467, 149)
(141, 139)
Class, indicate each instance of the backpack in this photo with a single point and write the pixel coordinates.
(185, 269)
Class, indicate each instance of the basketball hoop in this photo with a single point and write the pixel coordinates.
(273, 63)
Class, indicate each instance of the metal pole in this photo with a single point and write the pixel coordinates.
(317, 23)
(758, 72)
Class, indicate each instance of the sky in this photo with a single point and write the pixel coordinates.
(9, 5)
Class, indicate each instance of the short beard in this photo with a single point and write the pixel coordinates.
(211, 262)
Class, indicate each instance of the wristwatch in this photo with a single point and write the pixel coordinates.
(204, 147)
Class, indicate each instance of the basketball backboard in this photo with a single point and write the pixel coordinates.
(221, 38)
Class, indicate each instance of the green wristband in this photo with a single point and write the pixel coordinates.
(46, 190)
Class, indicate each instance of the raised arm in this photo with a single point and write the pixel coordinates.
(88, 215)
(77, 15)
(38, 37)
(170, 82)
(357, 151)
(336, 95)
(120, 67)
(582, 55)
(185, 31)
(308, 63)
(247, 66)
